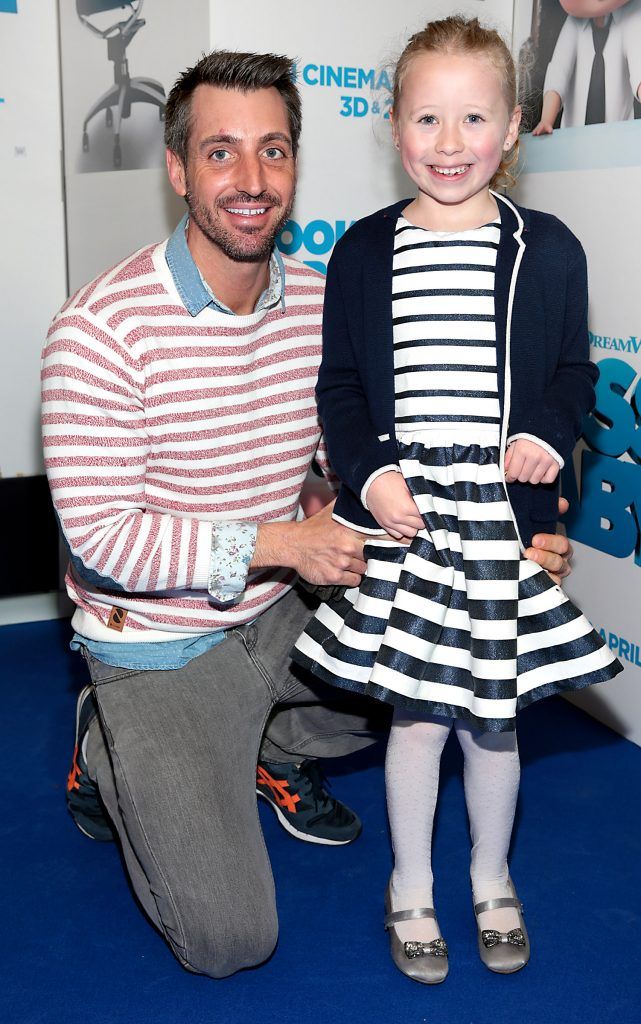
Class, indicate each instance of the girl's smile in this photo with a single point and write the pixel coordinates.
(451, 128)
(450, 172)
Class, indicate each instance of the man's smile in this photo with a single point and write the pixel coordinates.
(247, 212)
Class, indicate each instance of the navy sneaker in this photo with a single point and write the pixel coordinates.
(83, 799)
(302, 804)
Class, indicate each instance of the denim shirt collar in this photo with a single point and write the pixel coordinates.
(191, 285)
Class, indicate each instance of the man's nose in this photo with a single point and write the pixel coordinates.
(250, 175)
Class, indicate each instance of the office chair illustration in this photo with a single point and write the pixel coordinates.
(125, 90)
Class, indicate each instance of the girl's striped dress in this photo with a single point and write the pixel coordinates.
(458, 623)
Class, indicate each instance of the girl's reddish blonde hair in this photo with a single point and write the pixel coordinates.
(462, 35)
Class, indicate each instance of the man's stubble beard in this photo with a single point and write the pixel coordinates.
(227, 241)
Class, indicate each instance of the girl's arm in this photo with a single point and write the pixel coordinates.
(557, 419)
(356, 453)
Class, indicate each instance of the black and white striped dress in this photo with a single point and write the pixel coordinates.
(459, 623)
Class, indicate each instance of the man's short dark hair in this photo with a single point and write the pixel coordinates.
(226, 69)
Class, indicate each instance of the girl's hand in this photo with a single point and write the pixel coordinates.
(528, 463)
(393, 507)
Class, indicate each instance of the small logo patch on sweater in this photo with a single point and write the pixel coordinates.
(117, 619)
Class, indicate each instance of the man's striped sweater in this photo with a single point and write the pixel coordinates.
(157, 425)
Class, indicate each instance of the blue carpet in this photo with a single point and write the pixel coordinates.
(76, 948)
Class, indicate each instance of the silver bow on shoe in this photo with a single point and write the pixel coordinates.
(503, 952)
(437, 947)
(425, 962)
(491, 937)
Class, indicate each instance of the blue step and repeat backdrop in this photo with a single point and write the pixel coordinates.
(589, 176)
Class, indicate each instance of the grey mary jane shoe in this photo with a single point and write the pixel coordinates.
(503, 952)
(421, 961)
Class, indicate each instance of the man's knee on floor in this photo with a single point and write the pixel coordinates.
(220, 947)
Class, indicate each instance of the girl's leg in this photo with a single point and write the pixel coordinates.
(492, 774)
(411, 775)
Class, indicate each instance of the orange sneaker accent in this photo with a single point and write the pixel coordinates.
(72, 778)
(279, 788)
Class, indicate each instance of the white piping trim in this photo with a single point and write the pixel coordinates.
(507, 377)
(359, 529)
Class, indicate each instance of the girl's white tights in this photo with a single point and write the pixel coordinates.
(491, 778)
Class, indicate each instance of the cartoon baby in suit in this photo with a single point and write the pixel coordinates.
(595, 71)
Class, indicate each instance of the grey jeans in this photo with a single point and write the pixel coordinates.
(174, 755)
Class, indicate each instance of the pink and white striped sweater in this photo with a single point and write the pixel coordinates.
(157, 424)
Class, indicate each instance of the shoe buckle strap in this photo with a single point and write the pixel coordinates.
(409, 915)
(497, 904)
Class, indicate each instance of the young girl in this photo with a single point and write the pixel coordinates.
(455, 359)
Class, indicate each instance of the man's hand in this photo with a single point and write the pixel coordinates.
(393, 507)
(325, 552)
(552, 551)
(528, 463)
(319, 549)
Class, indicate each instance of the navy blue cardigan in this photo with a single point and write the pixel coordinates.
(546, 380)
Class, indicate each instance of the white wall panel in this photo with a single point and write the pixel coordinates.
(112, 210)
(32, 218)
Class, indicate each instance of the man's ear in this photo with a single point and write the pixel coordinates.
(176, 172)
